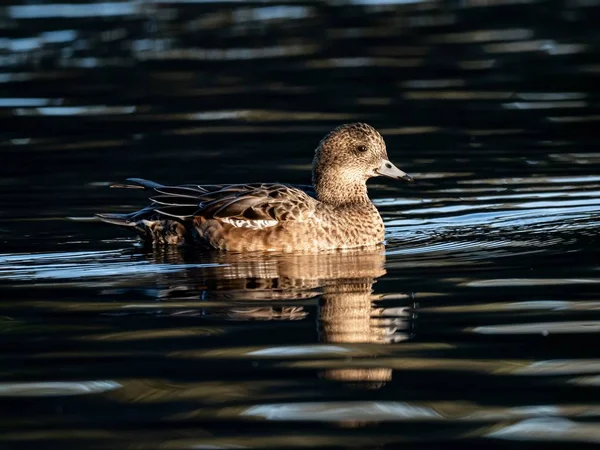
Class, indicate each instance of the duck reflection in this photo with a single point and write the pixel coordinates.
(348, 312)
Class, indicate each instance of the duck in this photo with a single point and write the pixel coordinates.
(333, 213)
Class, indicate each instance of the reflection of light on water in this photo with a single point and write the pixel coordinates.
(543, 328)
(551, 96)
(575, 119)
(504, 213)
(33, 43)
(483, 36)
(271, 13)
(56, 388)
(104, 9)
(560, 367)
(99, 270)
(586, 381)
(457, 95)
(559, 203)
(363, 62)
(17, 141)
(66, 265)
(76, 111)
(385, 2)
(538, 195)
(535, 179)
(433, 84)
(409, 130)
(536, 305)
(19, 45)
(549, 46)
(216, 54)
(10, 77)
(217, 115)
(549, 429)
(531, 282)
(12, 102)
(404, 411)
(342, 411)
(55, 37)
(27, 257)
(545, 105)
(300, 350)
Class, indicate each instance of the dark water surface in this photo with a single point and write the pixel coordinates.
(476, 325)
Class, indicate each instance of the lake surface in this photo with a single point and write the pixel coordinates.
(476, 325)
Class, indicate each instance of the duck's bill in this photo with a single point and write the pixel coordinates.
(387, 169)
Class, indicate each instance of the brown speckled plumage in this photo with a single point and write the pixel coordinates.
(335, 213)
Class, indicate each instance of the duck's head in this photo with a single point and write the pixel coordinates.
(351, 154)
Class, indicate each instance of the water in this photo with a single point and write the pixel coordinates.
(475, 325)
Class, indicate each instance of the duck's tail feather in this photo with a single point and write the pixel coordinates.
(152, 230)
(138, 183)
(131, 221)
(180, 212)
(123, 220)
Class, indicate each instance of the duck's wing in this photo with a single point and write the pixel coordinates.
(262, 204)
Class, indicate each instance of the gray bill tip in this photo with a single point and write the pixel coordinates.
(387, 169)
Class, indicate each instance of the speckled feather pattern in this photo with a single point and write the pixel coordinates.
(336, 213)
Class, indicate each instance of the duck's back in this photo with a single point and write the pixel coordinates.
(216, 215)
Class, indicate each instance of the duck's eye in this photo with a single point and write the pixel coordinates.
(361, 148)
